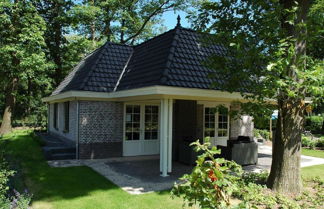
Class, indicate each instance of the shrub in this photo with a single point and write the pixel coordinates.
(16, 201)
(319, 143)
(312, 143)
(314, 124)
(308, 142)
(212, 181)
(265, 134)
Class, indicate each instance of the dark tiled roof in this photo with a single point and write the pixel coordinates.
(174, 58)
(99, 71)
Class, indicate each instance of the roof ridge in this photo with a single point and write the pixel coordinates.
(155, 37)
(164, 78)
(86, 78)
(123, 71)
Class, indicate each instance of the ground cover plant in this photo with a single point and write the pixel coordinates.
(217, 183)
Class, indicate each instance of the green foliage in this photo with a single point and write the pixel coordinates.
(212, 180)
(312, 142)
(315, 124)
(266, 59)
(254, 194)
(320, 143)
(124, 22)
(265, 134)
(19, 201)
(308, 142)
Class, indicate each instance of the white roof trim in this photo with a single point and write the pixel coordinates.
(145, 91)
(163, 91)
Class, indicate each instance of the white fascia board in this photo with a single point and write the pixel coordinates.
(166, 91)
(193, 92)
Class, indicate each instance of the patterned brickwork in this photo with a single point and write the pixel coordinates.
(100, 122)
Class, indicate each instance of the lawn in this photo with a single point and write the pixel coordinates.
(74, 187)
(81, 187)
(313, 171)
(313, 153)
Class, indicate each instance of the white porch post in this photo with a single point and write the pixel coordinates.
(170, 120)
(166, 137)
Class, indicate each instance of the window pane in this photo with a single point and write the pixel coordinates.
(128, 135)
(136, 117)
(137, 109)
(147, 135)
(154, 135)
(148, 109)
(129, 109)
(148, 118)
(136, 135)
(155, 109)
(128, 117)
(155, 118)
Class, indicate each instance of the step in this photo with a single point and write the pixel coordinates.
(61, 149)
(62, 156)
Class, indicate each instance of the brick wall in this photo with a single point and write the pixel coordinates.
(72, 133)
(101, 129)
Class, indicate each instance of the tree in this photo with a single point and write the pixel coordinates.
(124, 21)
(266, 40)
(22, 59)
(54, 12)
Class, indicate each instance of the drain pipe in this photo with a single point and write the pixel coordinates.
(77, 132)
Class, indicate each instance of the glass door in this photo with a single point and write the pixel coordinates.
(141, 133)
(216, 127)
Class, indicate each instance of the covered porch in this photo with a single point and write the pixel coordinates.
(165, 127)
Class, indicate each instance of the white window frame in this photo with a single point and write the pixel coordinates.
(213, 105)
(142, 146)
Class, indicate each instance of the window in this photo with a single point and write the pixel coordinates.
(55, 115)
(133, 114)
(222, 123)
(216, 123)
(66, 116)
(209, 122)
(151, 122)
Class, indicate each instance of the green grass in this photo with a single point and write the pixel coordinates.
(313, 171)
(313, 153)
(74, 187)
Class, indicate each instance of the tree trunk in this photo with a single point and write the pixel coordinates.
(9, 105)
(285, 168)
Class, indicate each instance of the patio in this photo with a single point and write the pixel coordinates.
(139, 175)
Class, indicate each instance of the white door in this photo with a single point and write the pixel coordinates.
(216, 127)
(141, 130)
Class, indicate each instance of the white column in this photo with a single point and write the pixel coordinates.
(170, 120)
(164, 138)
(161, 133)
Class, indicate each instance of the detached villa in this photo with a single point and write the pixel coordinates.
(149, 99)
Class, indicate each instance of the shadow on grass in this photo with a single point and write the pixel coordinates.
(45, 182)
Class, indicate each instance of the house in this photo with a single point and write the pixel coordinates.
(147, 99)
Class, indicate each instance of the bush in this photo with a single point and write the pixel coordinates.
(265, 134)
(319, 143)
(314, 124)
(212, 181)
(308, 142)
(7, 201)
(312, 143)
